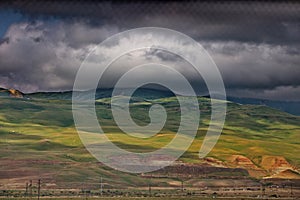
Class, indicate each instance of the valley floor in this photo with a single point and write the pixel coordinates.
(270, 192)
(148, 198)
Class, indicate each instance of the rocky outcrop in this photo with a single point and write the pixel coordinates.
(214, 162)
(279, 167)
(269, 167)
(15, 93)
(275, 162)
(286, 174)
(242, 161)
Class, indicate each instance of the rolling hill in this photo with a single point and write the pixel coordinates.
(38, 140)
(292, 107)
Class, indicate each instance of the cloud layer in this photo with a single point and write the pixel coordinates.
(256, 46)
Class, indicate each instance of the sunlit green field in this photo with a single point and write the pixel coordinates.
(43, 129)
(46, 126)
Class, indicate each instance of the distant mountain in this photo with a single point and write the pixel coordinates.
(292, 107)
(144, 93)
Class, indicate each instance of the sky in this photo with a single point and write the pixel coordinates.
(255, 45)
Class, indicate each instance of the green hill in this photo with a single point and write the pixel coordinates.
(38, 139)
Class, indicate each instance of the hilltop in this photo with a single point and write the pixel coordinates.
(292, 107)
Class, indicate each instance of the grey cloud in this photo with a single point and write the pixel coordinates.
(267, 22)
(255, 45)
(80, 34)
(4, 40)
(163, 55)
(256, 66)
(285, 93)
(44, 65)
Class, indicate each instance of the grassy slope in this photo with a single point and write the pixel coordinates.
(43, 129)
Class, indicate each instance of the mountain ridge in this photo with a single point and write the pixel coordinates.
(292, 107)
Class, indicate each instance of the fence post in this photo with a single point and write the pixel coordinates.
(39, 188)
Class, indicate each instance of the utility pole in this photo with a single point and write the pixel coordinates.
(263, 190)
(150, 192)
(30, 189)
(85, 190)
(291, 189)
(26, 190)
(39, 188)
(101, 186)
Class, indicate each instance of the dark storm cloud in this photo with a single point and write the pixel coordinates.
(269, 22)
(163, 55)
(252, 66)
(255, 45)
(4, 40)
